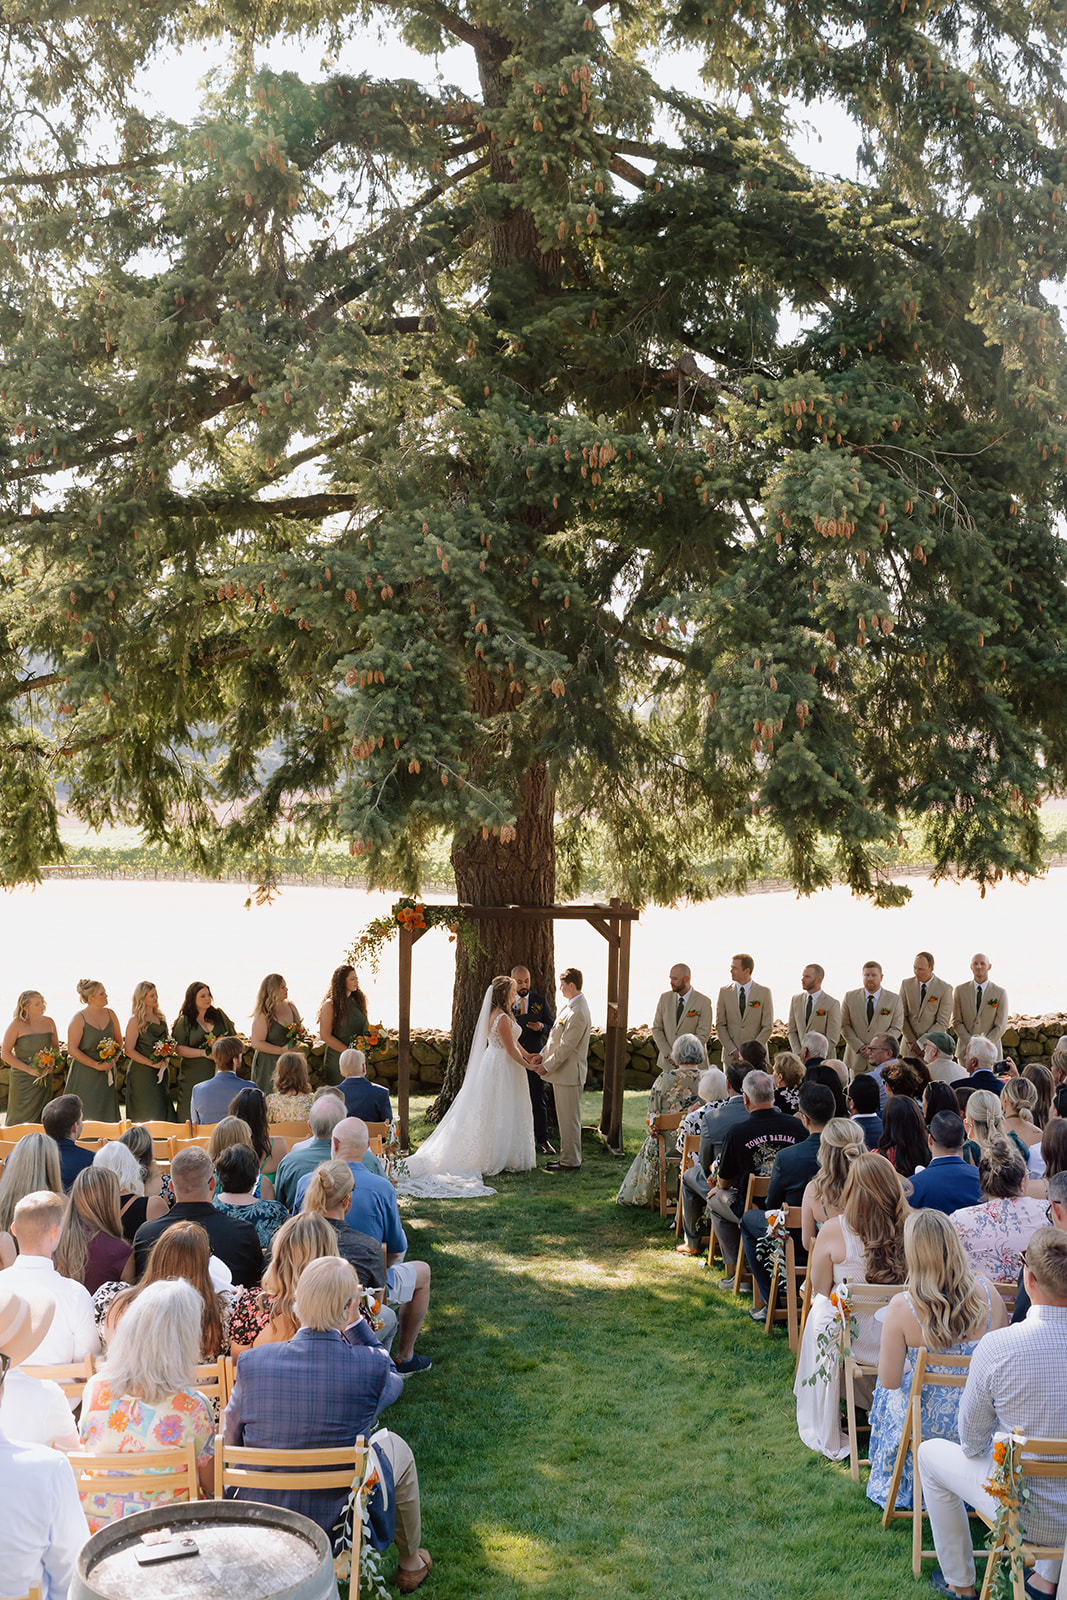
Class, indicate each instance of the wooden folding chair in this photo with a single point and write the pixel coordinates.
(757, 1190)
(86, 1142)
(1007, 1291)
(378, 1130)
(144, 1473)
(293, 1132)
(229, 1377)
(1035, 1458)
(660, 1127)
(102, 1130)
(866, 1299)
(248, 1468)
(201, 1141)
(953, 1376)
(19, 1130)
(162, 1133)
(34, 1593)
(71, 1377)
(690, 1147)
(211, 1381)
(793, 1282)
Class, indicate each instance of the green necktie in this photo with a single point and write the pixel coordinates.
(741, 1001)
(807, 1012)
(681, 1008)
(870, 1009)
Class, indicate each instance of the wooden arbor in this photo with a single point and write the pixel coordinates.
(613, 922)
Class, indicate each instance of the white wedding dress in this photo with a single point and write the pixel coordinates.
(488, 1128)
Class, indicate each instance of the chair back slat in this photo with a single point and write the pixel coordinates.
(249, 1467)
(72, 1376)
(102, 1130)
(295, 1130)
(19, 1130)
(130, 1472)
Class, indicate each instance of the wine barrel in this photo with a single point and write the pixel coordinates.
(245, 1551)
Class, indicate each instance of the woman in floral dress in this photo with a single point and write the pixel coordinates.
(996, 1233)
(148, 1075)
(676, 1089)
(94, 1045)
(30, 1079)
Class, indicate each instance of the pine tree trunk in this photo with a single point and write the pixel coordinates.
(492, 873)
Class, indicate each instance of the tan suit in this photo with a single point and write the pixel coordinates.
(934, 1013)
(566, 1061)
(696, 1018)
(825, 1018)
(990, 1021)
(733, 1029)
(888, 1018)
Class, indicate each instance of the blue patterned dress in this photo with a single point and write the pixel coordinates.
(940, 1413)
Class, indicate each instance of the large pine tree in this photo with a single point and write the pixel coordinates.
(560, 454)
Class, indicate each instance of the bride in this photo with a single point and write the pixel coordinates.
(489, 1126)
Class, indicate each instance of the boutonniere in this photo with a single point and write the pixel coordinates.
(753, 1005)
(930, 1000)
(821, 1011)
(994, 1004)
(692, 1013)
(884, 1012)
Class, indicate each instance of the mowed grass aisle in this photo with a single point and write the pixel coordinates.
(601, 1419)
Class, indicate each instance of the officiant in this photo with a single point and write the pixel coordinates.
(535, 1016)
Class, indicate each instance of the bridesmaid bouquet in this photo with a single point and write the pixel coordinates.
(365, 1041)
(45, 1062)
(297, 1037)
(162, 1051)
(107, 1050)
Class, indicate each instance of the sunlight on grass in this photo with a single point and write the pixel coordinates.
(529, 1561)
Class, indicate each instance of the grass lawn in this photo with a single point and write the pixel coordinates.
(600, 1419)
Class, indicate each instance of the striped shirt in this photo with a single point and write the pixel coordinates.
(1016, 1383)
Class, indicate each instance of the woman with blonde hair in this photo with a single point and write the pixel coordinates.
(94, 1045)
(945, 1308)
(841, 1142)
(275, 1025)
(864, 1245)
(983, 1119)
(330, 1194)
(291, 1098)
(183, 1251)
(267, 1315)
(148, 1074)
(91, 1248)
(787, 1074)
(995, 1233)
(30, 1051)
(141, 1146)
(32, 1165)
(1019, 1104)
(230, 1131)
(1041, 1078)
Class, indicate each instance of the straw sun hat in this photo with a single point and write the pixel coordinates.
(25, 1318)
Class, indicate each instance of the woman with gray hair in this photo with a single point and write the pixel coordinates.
(676, 1089)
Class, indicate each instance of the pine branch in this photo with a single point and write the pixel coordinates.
(18, 180)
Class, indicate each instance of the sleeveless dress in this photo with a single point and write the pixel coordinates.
(487, 1129)
(194, 1069)
(100, 1099)
(263, 1065)
(147, 1100)
(939, 1411)
(26, 1096)
(818, 1403)
(353, 1024)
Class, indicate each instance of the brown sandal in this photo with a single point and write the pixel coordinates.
(408, 1579)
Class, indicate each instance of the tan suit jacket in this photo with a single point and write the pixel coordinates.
(888, 1018)
(825, 1018)
(937, 1011)
(696, 1018)
(566, 1057)
(733, 1029)
(990, 1021)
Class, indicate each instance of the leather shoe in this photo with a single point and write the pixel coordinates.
(687, 1250)
(545, 1149)
(409, 1579)
(560, 1166)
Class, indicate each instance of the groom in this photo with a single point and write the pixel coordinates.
(564, 1064)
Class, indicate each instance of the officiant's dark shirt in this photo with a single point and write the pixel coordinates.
(538, 1009)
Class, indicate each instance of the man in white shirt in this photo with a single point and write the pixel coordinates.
(43, 1527)
(72, 1335)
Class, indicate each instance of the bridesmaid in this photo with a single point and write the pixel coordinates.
(90, 1077)
(29, 1090)
(198, 1021)
(342, 1019)
(274, 1015)
(147, 1099)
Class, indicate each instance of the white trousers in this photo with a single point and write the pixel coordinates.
(951, 1481)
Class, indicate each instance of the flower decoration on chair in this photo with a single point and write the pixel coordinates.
(1008, 1488)
(770, 1250)
(417, 917)
(371, 1576)
(830, 1342)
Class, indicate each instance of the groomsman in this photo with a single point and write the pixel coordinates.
(866, 1013)
(535, 1016)
(813, 1010)
(680, 1010)
(927, 1002)
(978, 1007)
(744, 1011)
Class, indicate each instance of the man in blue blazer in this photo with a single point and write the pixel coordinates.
(948, 1182)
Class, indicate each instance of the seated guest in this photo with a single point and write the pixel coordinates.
(33, 1165)
(1015, 1384)
(863, 1102)
(749, 1149)
(91, 1247)
(182, 1252)
(267, 1315)
(817, 1069)
(211, 1099)
(1053, 1157)
(787, 1075)
(326, 1386)
(35, 1410)
(938, 1053)
(939, 1096)
(840, 1144)
(43, 1527)
(864, 1245)
(374, 1211)
(236, 1175)
(905, 1079)
(330, 1194)
(995, 1233)
(676, 1089)
(904, 1139)
(983, 1117)
(946, 1308)
(793, 1169)
(144, 1397)
(302, 1160)
(714, 1125)
(62, 1121)
(949, 1182)
(156, 1184)
(134, 1205)
(1041, 1078)
(290, 1100)
(980, 1060)
(1057, 1205)
(1019, 1104)
(232, 1239)
(370, 1101)
(72, 1335)
(250, 1104)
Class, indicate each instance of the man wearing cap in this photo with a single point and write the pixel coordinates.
(936, 1050)
(43, 1527)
